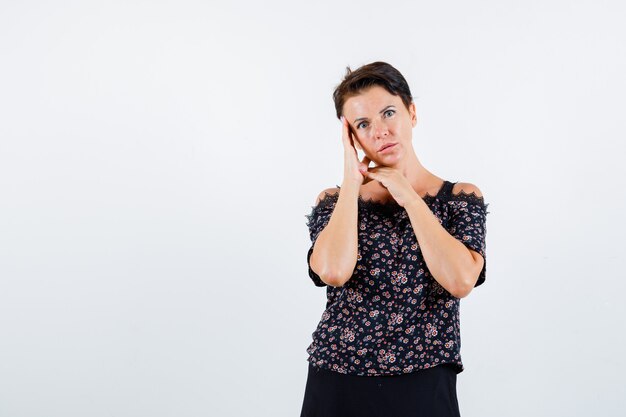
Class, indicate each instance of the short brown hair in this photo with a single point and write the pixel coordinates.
(375, 73)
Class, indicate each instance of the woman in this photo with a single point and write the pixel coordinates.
(396, 247)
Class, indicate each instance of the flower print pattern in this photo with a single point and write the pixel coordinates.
(392, 317)
(468, 224)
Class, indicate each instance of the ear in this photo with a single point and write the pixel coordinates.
(413, 112)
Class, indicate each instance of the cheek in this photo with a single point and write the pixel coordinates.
(364, 137)
(365, 143)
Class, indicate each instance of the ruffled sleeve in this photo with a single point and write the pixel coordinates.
(468, 224)
(316, 222)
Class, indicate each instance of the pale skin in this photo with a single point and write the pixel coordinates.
(372, 119)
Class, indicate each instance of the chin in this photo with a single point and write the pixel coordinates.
(391, 160)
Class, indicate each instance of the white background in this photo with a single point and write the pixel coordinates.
(157, 160)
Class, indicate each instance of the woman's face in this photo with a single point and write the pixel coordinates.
(379, 118)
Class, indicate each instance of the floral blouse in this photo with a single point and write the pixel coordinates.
(392, 317)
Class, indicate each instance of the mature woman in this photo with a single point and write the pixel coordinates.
(396, 247)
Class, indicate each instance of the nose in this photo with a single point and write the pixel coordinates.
(380, 129)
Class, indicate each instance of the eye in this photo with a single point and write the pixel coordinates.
(386, 112)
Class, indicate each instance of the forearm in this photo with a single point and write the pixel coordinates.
(336, 248)
(449, 261)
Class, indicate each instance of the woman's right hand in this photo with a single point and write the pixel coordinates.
(353, 168)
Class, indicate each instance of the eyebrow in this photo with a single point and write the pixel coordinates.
(380, 112)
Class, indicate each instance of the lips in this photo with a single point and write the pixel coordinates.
(385, 146)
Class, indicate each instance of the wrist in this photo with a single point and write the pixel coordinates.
(351, 184)
(413, 202)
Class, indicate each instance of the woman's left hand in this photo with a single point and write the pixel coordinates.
(395, 182)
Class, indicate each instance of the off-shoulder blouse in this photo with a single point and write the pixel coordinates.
(392, 317)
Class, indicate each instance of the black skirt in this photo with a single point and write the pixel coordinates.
(427, 392)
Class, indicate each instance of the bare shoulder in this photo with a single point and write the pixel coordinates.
(334, 190)
(466, 188)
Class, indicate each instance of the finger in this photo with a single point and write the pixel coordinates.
(365, 171)
(352, 136)
(376, 177)
(366, 177)
(371, 175)
(371, 161)
(364, 164)
(345, 134)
